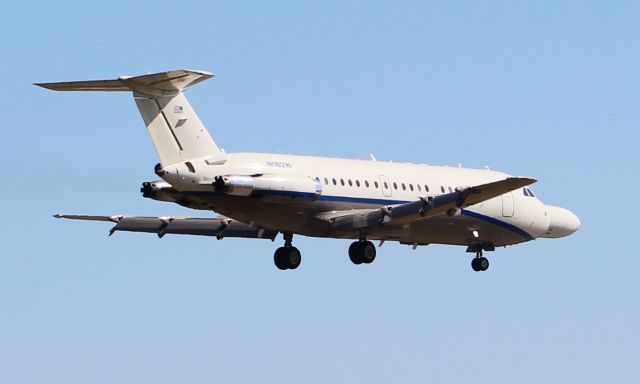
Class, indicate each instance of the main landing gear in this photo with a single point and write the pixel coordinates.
(479, 263)
(362, 252)
(287, 257)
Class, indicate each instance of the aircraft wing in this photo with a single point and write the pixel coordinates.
(219, 227)
(425, 207)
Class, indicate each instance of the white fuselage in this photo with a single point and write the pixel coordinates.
(357, 184)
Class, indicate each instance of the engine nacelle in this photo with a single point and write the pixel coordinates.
(158, 190)
(235, 185)
(269, 186)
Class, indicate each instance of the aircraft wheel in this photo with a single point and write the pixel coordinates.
(279, 258)
(294, 257)
(367, 252)
(355, 252)
(484, 263)
(480, 264)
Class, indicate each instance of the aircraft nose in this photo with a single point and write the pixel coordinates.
(562, 222)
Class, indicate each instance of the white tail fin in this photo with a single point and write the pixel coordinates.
(176, 131)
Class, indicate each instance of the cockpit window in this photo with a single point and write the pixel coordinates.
(530, 193)
(524, 190)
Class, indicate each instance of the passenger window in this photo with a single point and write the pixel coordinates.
(411, 187)
(418, 186)
(342, 182)
(350, 184)
(426, 188)
(450, 189)
(385, 184)
(326, 181)
(366, 183)
(403, 187)
(190, 167)
(358, 183)
(395, 185)
(334, 181)
(442, 188)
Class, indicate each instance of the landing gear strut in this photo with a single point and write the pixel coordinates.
(287, 257)
(479, 263)
(362, 252)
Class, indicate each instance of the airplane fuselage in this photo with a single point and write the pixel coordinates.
(345, 184)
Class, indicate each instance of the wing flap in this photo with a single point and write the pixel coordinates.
(219, 227)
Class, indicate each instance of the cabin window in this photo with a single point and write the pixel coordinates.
(418, 186)
(386, 186)
(404, 188)
(366, 183)
(342, 182)
(411, 187)
(358, 183)
(190, 167)
(426, 188)
(442, 188)
(450, 189)
(376, 184)
(326, 181)
(395, 185)
(334, 182)
(350, 183)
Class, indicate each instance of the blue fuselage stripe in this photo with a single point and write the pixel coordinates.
(497, 222)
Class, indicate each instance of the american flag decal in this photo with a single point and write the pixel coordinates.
(177, 109)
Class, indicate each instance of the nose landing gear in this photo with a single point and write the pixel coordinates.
(479, 263)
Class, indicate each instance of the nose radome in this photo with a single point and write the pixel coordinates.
(562, 222)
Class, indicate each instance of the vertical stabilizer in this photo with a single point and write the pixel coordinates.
(175, 129)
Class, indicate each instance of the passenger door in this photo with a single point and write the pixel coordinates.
(507, 205)
(385, 185)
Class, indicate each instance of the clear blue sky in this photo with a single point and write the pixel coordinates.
(542, 89)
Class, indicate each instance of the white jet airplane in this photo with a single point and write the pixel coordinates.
(259, 195)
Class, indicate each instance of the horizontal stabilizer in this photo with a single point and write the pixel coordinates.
(154, 85)
(219, 227)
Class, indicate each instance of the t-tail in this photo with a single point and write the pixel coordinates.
(176, 131)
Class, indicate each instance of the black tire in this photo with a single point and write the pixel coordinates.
(483, 263)
(475, 264)
(294, 257)
(367, 252)
(279, 259)
(355, 252)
